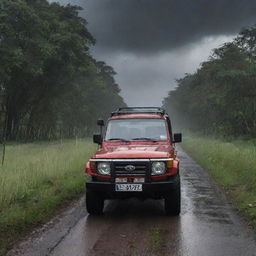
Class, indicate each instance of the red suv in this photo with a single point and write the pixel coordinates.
(136, 158)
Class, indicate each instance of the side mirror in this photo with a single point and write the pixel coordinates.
(100, 122)
(177, 137)
(97, 138)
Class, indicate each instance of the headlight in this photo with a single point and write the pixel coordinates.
(158, 168)
(103, 168)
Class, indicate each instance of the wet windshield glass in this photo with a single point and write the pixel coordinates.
(136, 129)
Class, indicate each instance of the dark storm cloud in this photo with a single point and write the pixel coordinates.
(150, 43)
(148, 26)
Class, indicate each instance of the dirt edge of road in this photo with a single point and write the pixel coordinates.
(228, 191)
(31, 232)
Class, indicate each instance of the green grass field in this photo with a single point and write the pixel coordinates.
(231, 164)
(35, 181)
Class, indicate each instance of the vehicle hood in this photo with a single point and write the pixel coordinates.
(135, 151)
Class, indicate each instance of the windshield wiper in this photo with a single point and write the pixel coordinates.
(121, 139)
(142, 138)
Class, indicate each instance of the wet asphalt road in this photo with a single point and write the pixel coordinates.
(207, 226)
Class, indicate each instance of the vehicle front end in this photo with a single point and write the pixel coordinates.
(124, 178)
(136, 158)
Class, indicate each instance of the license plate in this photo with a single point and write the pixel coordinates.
(128, 187)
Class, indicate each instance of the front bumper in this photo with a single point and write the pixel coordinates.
(154, 190)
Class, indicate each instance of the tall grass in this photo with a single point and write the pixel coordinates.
(231, 164)
(35, 180)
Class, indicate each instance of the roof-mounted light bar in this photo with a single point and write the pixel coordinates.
(139, 110)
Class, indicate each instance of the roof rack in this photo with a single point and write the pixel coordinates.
(139, 110)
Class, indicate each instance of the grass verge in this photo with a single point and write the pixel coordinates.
(35, 181)
(232, 165)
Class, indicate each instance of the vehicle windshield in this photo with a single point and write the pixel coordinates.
(136, 129)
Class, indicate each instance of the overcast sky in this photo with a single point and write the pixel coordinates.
(150, 43)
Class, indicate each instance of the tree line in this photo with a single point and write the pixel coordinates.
(220, 97)
(50, 85)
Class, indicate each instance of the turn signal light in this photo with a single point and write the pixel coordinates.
(93, 166)
(169, 164)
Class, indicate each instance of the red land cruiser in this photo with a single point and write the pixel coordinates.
(136, 158)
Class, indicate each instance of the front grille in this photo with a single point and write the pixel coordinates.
(140, 168)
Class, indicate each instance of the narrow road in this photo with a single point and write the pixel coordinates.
(207, 226)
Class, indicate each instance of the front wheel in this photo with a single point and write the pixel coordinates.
(172, 202)
(94, 203)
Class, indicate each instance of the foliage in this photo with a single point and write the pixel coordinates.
(36, 180)
(220, 97)
(231, 164)
(52, 85)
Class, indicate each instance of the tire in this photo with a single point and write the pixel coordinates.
(94, 203)
(172, 202)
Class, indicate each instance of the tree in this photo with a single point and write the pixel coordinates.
(53, 85)
(220, 97)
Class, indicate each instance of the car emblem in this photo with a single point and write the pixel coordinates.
(129, 167)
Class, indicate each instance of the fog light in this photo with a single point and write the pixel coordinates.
(139, 180)
(120, 180)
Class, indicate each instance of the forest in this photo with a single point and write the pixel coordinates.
(220, 97)
(50, 85)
